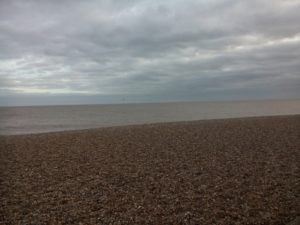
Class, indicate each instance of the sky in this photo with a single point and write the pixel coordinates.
(119, 51)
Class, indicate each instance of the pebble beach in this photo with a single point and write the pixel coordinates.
(224, 171)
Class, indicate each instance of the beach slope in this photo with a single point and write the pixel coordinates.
(230, 171)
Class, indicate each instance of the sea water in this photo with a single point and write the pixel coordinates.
(37, 119)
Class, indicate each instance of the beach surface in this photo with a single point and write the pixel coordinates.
(226, 171)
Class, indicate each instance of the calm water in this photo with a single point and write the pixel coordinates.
(21, 120)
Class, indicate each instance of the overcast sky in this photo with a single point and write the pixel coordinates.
(75, 51)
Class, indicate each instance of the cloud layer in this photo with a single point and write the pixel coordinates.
(149, 50)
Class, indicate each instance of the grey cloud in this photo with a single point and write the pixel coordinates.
(150, 51)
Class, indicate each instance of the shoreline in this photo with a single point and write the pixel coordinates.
(22, 120)
(149, 124)
(217, 171)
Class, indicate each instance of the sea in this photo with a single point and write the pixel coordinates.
(40, 119)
